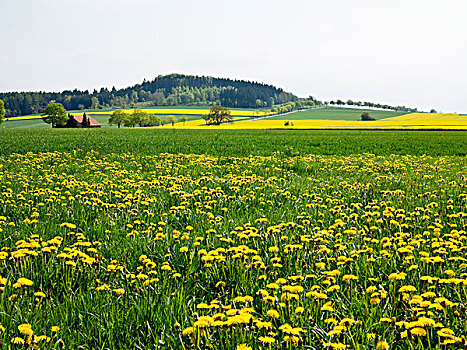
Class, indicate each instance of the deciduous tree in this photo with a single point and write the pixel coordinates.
(117, 117)
(2, 112)
(217, 115)
(55, 114)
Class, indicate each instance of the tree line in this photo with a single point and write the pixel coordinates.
(371, 104)
(168, 90)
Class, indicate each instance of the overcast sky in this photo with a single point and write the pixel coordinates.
(400, 52)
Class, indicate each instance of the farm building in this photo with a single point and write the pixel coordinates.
(80, 121)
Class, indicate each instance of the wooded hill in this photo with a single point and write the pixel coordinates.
(168, 90)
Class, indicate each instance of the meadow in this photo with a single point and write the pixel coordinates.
(337, 114)
(215, 239)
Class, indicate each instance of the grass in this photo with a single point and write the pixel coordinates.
(179, 239)
(38, 123)
(336, 114)
(233, 142)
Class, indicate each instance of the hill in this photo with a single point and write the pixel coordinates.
(168, 90)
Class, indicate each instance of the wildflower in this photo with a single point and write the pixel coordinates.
(273, 313)
(25, 329)
(382, 345)
(188, 331)
(407, 288)
(119, 291)
(349, 278)
(418, 331)
(17, 341)
(25, 282)
(267, 340)
(327, 307)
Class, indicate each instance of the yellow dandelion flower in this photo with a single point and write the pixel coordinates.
(244, 347)
(273, 313)
(407, 288)
(382, 345)
(25, 282)
(17, 341)
(418, 331)
(267, 340)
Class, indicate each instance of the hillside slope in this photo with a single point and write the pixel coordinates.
(168, 90)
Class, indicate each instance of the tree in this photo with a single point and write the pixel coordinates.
(140, 117)
(183, 119)
(94, 102)
(55, 114)
(217, 115)
(366, 116)
(2, 112)
(117, 117)
(154, 120)
(86, 123)
(172, 119)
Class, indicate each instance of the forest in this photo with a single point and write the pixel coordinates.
(168, 90)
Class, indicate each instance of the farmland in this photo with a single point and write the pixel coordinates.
(204, 239)
(317, 118)
(337, 114)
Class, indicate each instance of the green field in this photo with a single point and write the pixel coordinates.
(337, 114)
(324, 113)
(234, 142)
(207, 239)
(38, 123)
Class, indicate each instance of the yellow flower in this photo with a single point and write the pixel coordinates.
(418, 331)
(55, 329)
(299, 309)
(17, 341)
(25, 329)
(407, 288)
(188, 330)
(273, 313)
(25, 282)
(244, 347)
(267, 340)
(382, 345)
(68, 225)
(327, 307)
(119, 291)
(349, 278)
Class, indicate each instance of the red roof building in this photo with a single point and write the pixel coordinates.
(80, 121)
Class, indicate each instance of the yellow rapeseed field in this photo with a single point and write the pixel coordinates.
(408, 121)
(177, 111)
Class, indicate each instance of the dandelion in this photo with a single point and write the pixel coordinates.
(243, 347)
(25, 282)
(407, 288)
(17, 341)
(267, 340)
(418, 331)
(273, 313)
(382, 345)
(25, 329)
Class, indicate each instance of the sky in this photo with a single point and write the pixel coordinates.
(399, 52)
